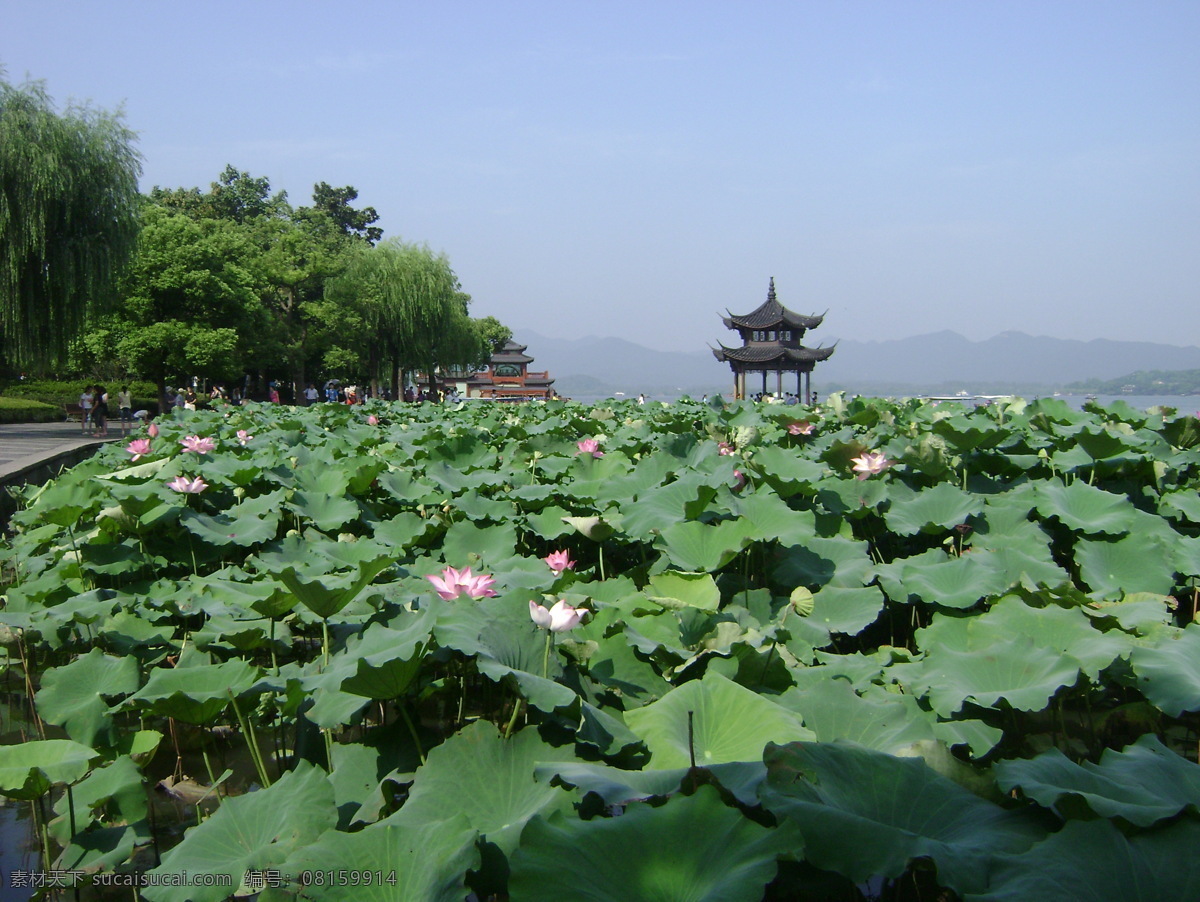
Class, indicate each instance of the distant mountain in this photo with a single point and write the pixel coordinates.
(934, 363)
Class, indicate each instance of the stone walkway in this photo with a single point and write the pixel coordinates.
(24, 447)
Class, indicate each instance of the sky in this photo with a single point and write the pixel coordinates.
(635, 169)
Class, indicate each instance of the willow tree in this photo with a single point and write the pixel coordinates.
(68, 219)
(411, 308)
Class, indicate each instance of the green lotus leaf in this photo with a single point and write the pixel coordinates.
(647, 475)
(661, 506)
(1093, 861)
(616, 786)
(696, 546)
(1181, 506)
(1168, 671)
(714, 718)
(386, 659)
(28, 770)
(257, 831)
(114, 793)
(406, 487)
(1023, 674)
(1136, 563)
(1064, 631)
(833, 561)
(932, 510)
(936, 578)
(194, 694)
(630, 676)
(964, 434)
(402, 531)
(391, 862)
(63, 503)
(598, 529)
(867, 814)
(788, 472)
(487, 778)
(267, 597)
(127, 633)
(327, 512)
(884, 721)
(551, 523)
(1144, 784)
(243, 528)
(234, 470)
(770, 519)
(847, 610)
(671, 588)
(480, 547)
(1084, 507)
(852, 498)
(72, 695)
(728, 858)
(1139, 612)
(325, 594)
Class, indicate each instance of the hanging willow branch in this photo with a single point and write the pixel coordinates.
(68, 218)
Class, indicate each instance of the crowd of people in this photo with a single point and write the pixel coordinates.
(96, 407)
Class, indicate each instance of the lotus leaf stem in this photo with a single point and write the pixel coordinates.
(512, 721)
(251, 742)
(412, 729)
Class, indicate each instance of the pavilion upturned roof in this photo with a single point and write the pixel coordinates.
(771, 315)
(758, 354)
(512, 352)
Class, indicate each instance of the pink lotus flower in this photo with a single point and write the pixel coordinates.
(139, 447)
(477, 586)
(558, 561)
(373, 420)
(558, 619)
(802, 427)
(589, 446)
(187, 486)
(870, 464)
(725, 449)
(243, 437)
(739, 480)
(197, 444)
(453, 583)
(152, 430)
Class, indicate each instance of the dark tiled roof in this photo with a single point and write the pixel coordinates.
(771, 315)
(772, 354)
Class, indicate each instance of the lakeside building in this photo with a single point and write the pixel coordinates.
(506, 376)
(771, 336)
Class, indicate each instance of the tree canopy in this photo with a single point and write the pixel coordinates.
(68, 218)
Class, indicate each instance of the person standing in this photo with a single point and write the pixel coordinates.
(310, 395)
(86, 397)
(125, 406)
(100, 411)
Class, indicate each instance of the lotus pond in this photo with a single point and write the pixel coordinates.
(874, 650)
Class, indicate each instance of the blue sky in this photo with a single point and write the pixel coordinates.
(633, 169)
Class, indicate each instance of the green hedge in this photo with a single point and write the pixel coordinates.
(23, 410)
(57, 393)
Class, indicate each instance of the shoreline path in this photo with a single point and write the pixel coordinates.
(27, 450)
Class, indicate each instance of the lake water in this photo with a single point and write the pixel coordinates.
(1182, 403)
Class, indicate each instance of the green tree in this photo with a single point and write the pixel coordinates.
(335, 203)
(411, 309)
(68, 219)
(189, 296)
(494, 332)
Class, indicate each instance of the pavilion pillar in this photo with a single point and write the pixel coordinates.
(779, 383)
(764, 388)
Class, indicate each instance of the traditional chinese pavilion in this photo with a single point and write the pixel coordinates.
(507, 375)
(771, 338)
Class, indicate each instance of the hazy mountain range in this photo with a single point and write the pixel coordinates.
(940, 362)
